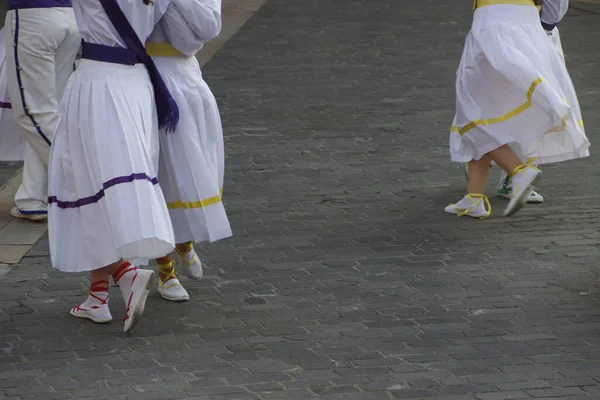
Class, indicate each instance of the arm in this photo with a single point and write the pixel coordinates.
(189, 27)
(553, 12)
(202, 16)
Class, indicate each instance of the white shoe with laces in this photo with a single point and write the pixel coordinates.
(191, 264)
(472, 205)
(523, 182)
(506, 191)
(171, 289)
(134, 284)
(95, 308)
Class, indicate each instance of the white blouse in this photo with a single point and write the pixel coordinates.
(95, 27)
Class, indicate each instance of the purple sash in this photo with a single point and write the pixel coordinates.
(548, 27)
(109, 54)
(166, 107)
(21, 4)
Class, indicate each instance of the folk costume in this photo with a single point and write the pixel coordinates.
(192, 160)
(105, 203)
(513, 89)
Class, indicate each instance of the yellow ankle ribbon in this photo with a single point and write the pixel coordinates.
(520, 168)
(188, 263)
(480, 197)
(168, 270)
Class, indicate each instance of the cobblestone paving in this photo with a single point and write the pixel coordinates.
(345, 279)
(7, 170)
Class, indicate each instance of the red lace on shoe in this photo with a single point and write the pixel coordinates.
(123, 269)
(98, 286)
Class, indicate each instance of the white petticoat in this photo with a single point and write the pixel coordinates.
(192, 160)
(513, 88)
(12, 142)
(105, 202)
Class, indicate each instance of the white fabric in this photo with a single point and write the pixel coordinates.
(109, 130)
(554, 36)
(192, 161)
(43, 44)
(95, 27)
(12, 143)
(32, 195)
(190, 23)
(505, 53)
(553, 11)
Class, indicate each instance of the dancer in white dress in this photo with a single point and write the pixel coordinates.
(515, 101)
(191, 160)
(105, 205)
(42, 42)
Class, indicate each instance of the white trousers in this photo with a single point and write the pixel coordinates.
(41, 47)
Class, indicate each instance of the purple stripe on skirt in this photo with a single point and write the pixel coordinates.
(5, 105)
(106, 185)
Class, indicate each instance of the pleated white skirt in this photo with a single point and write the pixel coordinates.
(12, 142)
(192, 160)
(105, 202)
(513, 88)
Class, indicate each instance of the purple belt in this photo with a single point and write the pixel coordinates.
(109, 54)
(21, 4)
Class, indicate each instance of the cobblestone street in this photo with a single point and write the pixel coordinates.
(345, 279)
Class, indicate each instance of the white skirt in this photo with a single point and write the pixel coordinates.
(513, 88)
(105, 202)
(192, 160)
(12, 142)
(554, 37)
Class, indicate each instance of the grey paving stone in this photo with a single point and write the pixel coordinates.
(345, 280)
(7, 168)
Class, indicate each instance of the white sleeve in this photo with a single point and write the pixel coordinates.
(174, 28)
(202, 16)
(160, 8)
(188, 24)
(553, 11)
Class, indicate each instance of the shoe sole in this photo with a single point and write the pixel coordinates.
(468, 215)
(32, 217)
(520, 202)
(140, 305)
(532, 201)
(193, 277)
(138, 311)
(96, 320)
(174, 299)
(186, 270)
(529, 201)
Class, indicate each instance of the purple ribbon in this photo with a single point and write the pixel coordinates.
(21, 4)
(106, 185)
(166, 107)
